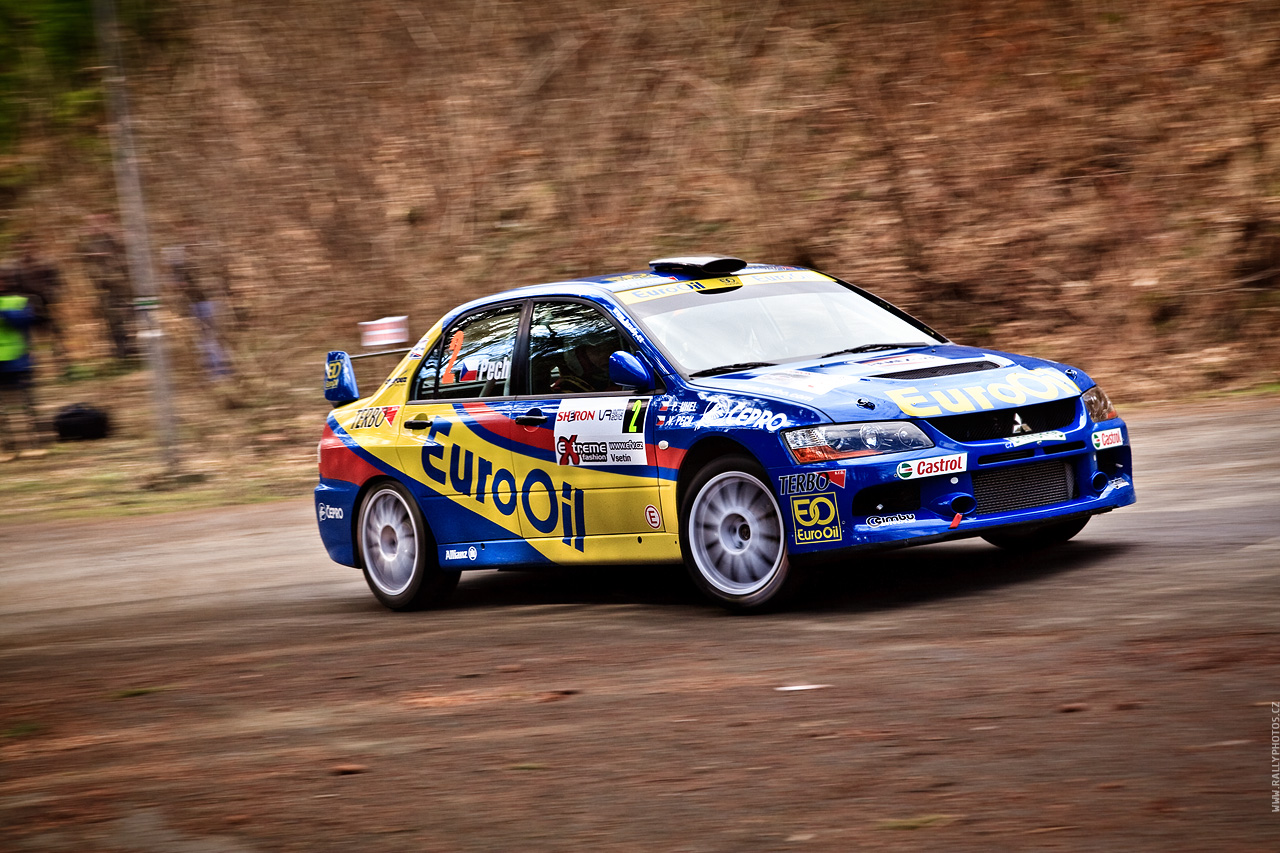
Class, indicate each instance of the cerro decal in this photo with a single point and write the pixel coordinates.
(741, 413)
(816, 519)
(328, 512)
(1014, 389)
(476, 477)
(1107, 438)
(374, 417)
(814, 481)
(932, 466)
(883, 520)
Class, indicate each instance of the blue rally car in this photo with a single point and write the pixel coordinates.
(744, 419)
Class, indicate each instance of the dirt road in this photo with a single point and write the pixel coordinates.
(211, 682)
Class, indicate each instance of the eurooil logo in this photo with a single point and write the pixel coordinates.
(816, 518)
(333, 369)
(468, 474)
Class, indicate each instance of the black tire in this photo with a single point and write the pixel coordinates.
(733, 537)
(398, 552)
(1037, 537)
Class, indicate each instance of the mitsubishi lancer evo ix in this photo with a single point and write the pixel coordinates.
(744, 419)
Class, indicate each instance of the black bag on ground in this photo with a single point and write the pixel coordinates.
(81, 422)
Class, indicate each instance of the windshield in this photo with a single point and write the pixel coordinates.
(760, 320)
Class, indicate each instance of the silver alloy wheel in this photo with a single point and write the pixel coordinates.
(389, 542)
(735, 533)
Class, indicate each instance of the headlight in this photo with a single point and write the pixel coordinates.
(842, 441)
(1098, 404)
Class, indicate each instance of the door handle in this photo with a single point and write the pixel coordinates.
(418, 423)
(533, 417)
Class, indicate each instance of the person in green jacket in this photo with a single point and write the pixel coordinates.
(16, 371)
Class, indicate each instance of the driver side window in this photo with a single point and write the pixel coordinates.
(569, 348)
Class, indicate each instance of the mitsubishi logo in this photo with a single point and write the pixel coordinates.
(1018, 425)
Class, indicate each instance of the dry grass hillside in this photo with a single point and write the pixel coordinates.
(1095, 181)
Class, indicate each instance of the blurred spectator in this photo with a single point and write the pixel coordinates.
(16, 370)
(40, 282)
(205, 300)
(105, 264)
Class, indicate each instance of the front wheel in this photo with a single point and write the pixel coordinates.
(1037, 537)
(733, 538)
(398, 552)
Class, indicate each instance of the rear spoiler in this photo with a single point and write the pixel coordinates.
(340, 376)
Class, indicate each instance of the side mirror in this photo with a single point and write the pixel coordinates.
(629, 372)
(340, 379)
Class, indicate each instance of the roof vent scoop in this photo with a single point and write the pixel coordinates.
(699, 265)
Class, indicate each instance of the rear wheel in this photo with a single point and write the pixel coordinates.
(398, 552)
(733, 537)
(1037, 537)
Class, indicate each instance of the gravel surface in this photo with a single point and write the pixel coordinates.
(209, 681)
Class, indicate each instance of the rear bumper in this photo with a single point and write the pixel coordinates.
(335, 502)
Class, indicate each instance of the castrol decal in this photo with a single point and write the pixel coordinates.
(933, 466)
(1107, 438)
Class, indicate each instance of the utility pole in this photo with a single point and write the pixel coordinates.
(133, 216)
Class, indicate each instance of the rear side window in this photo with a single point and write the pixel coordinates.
(424, 383)
(473, 359)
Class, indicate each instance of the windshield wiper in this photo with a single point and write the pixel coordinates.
(874, 347)
(730, 368)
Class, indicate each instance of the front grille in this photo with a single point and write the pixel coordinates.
(1023, 486)
(984, 426)
(941, 370)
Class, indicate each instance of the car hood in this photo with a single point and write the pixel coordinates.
(933, 382)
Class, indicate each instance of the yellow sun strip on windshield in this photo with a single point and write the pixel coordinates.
(726, 282)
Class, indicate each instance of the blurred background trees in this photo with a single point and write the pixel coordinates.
(1094, 181)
